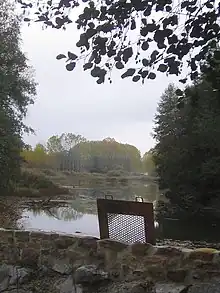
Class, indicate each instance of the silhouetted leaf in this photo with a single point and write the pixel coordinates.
(168, 8)
(153, 55)
(162, 68)
(128, 73)
(119, 65)
(87, 66)
(145, 62)
(60, 56)
(95, 71)
(100, 80)
(145, 46)
(184, 80)
(106, 28)
(127, 54)
(144, 73)
(136, 78)
(90, 33)
(133, 24)
(71, 66)
(72, 56)
(152, 75)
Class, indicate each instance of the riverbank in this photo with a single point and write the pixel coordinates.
(36, 182)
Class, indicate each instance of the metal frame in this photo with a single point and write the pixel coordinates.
(135, 208)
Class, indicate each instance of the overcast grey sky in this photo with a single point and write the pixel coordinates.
(73, 102)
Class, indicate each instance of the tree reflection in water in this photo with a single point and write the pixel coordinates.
(66, 213)
(84, 201)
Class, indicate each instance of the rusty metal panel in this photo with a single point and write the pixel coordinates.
(127, 221)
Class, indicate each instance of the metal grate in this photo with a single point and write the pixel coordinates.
(126, 228)
(127, 221)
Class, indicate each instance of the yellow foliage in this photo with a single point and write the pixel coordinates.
(37, 157)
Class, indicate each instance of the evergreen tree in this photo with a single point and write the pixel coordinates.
(187, 153)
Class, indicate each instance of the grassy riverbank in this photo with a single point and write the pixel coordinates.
(47, 182)
(34, 183)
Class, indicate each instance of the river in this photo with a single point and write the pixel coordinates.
(78, 213)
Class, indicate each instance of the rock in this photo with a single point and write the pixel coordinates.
(61, 266)
(178, 275)
(64, 243)
(88, 243)
(19, 275)
(4, 277)
(203, 287)
(143, 287)
(131, 287)
(67, 286)
(169, 288)
(112, 244)
(90, 274)
(142, 249)
(11, 275)
(169, 251)
(30, 257)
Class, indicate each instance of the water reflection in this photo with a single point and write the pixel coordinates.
(149, 192)
(67, 213)
(196, 230)
(85, 224)
(80, 213)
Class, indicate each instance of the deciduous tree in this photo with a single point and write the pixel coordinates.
(17, 90)
(64, 142)
(187, 152)
(137, 37)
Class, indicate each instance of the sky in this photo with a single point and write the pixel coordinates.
(73, 102)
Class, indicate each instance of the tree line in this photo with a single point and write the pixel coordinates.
(73, 152)
(187, 150)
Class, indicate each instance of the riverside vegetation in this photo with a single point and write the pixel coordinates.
(68, 158)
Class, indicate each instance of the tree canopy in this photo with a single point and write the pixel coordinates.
(64, 142)
(187, 153)
(148, 163)
(137, 37)
(17, 90)
(82, 155)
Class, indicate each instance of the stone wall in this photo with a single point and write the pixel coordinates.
(88, 259)
(33, 248)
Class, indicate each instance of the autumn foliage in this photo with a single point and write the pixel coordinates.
(75, 153)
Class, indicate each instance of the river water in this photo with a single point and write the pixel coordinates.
(86, 223)
(79, 215)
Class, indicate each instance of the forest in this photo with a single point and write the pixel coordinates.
(71, 152)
